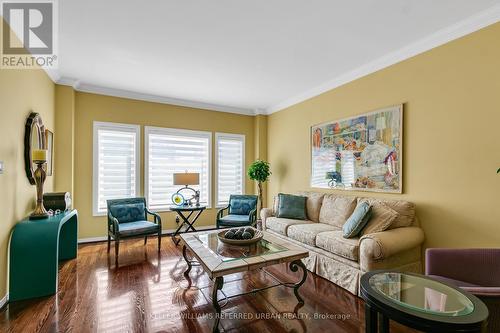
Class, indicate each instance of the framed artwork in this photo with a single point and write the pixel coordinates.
(49, 144)
(362, 153)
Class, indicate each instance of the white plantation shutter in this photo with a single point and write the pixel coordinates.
(230, 166)
(170, 151)
(116, 163)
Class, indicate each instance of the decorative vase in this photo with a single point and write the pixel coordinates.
(40, 175)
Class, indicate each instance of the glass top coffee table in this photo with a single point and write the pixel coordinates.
(419, 302)
(219, 259)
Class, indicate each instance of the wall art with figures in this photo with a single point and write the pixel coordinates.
(359, 153)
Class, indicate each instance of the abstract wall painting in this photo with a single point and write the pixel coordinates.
(362, 153)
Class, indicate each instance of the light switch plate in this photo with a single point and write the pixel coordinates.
(1, 167)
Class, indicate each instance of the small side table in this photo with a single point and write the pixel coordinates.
(419, 302)
(188, 220)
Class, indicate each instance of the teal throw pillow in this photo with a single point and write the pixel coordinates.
(292, 206)
(358, 220)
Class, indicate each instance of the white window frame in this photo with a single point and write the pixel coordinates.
(95, 155)
(164, 130)
(230, 136)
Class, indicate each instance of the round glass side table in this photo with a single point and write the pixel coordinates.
(419, 302)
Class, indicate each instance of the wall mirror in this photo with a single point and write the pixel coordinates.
(34, 138)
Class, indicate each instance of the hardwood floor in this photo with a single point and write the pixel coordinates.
(147, 292)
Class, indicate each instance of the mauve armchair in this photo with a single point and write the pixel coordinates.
(474, 270)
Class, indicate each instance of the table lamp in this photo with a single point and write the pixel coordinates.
(186, 179)
(39, 157)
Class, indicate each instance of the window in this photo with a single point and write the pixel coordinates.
(169, 151)
(116, 163)
(230, 157)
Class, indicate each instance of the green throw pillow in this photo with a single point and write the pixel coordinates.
(357, 221)
(292, 206)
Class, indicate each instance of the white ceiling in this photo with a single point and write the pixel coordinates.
(248, 56)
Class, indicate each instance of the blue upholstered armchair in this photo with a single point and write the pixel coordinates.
(242, 211)
(128, 218)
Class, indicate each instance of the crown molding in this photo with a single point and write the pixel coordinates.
(443, 36)
(107, 91)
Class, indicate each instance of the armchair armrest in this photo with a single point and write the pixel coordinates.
(113, 222)
(382, 245)
(253, 216)
(220, 212)
(264, 214)
(157, 217)
(484, 291)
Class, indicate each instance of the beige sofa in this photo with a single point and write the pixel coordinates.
(342, 260)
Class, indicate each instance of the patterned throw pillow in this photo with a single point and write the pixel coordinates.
(292, 206)
(382, 217)
(357, 221)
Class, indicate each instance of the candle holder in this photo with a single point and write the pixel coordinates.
(40, 175)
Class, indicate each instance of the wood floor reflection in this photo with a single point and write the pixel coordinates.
(147, 292)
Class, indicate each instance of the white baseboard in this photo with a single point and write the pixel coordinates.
(164, 232)
(4, 300)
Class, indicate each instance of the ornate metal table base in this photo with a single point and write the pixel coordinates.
(219, 283)
(186, 220)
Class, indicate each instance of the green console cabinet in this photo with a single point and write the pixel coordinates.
(36, 247)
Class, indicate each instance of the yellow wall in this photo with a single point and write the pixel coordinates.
(65, 129)
(451, 98)
(92, 107)
(21, 91)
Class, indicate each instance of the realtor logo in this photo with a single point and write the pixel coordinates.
(28, 34)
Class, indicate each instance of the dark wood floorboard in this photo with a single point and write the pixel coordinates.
(147, 292)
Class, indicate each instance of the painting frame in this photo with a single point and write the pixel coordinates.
(49, 144)
(394, 112)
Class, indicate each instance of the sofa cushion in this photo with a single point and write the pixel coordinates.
(280, 225)
(336, 209)
(381, 219)
(405, 209)
(292, 206)
(313, 204)
(357, 221)
(306, 233)
(334, 242)
(137, 228)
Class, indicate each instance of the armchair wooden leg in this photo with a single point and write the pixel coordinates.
(145, 239)
(117, 248)
(159, 241)
(109, 242)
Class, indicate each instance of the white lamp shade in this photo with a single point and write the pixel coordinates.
(186, 178)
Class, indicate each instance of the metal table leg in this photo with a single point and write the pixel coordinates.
(294, 266)
(218, 283)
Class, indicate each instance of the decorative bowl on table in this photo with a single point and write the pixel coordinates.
(240, 236)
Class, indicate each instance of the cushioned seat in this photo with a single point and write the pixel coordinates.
(236, 219)
(280, 225)
(306, 232)
(137, 227)
(334, 242)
